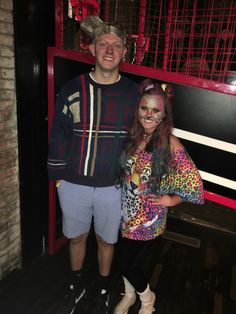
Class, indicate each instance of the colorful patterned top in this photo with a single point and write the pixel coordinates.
(140, 219)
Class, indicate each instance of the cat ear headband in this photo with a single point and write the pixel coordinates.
(149, 86)
(164, 87)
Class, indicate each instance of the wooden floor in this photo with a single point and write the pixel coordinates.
(189, 276)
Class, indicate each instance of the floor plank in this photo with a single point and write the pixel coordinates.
(186, 279)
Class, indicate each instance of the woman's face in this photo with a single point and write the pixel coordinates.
(151, 112)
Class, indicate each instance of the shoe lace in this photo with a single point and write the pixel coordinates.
(69, 297)
(100, 300)
(70, 293)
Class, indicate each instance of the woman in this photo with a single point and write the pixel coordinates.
(155, 172)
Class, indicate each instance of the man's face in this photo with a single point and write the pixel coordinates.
(108, 50)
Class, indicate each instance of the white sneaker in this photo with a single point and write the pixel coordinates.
(148, 308)
(127, 301)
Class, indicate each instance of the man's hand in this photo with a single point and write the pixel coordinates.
(58, 183)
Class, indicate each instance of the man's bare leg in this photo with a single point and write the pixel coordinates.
(105, 256)
(77, 250)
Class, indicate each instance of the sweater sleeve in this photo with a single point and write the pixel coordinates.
(60, 135)
(184, 179)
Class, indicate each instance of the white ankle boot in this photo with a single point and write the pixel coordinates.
(128, 299)
(147, 299)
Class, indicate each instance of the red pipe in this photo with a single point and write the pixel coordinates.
(167, 35)
(141, 29)
(106, 11)
(59, 25)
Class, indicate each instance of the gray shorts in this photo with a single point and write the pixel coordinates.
(80, 203)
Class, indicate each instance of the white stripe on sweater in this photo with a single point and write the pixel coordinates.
(91, 92)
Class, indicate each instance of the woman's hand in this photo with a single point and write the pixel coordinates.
(165, 200)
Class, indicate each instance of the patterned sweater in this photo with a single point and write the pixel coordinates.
(90, 124)
(140, 219)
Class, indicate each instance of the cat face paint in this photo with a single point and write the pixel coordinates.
(151, 112)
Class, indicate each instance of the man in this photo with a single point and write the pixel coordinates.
(92, 116)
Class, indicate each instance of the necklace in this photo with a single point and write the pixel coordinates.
(145, 140)
(146, 137)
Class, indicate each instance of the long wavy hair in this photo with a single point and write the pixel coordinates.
(159, 143)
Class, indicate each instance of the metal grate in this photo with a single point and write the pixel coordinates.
(196, 38)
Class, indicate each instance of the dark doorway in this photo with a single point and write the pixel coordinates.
(33, 32)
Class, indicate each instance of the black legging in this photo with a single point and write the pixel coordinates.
(130, 251)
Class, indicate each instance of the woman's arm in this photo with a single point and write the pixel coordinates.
(185, 180)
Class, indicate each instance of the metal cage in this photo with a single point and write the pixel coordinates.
(190, 37)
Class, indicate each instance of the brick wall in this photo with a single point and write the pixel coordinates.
(10, 239)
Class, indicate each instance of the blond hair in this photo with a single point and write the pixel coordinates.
(94, 27)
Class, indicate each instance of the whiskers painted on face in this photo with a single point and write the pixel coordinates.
(148, 118)
(157, 119)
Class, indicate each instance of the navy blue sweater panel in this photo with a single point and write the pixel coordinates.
(86, 138)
